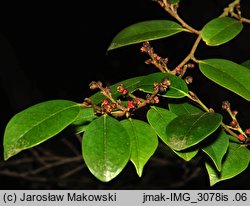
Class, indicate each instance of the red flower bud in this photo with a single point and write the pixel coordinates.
(247, 131)
(241, 137)
(233, 123)
(105, 102)
(130, 105)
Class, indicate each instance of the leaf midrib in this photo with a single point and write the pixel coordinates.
(40, 122)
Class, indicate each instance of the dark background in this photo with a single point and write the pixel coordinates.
(55, 51)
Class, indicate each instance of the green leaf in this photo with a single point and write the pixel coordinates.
(174, 1)
(220, 30)
(143, 141)
(85, 116)
(188, 130)
(37, 124)
(246, 64)
(217, 149)
(235, 162)
(187, 154)
(159, 118)
(184, 108)
(145, 31)
(228, 74)
(178, 88)
(130, 84)
(106, 148)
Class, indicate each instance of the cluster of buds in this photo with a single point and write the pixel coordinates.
(162, 86)
(122, 89)
(226, 105)
(116, 107)
(95, 85)
(155, 59)
(182, 70)
(107, 106)
(242, 136)
(146, 47)
(152, 100)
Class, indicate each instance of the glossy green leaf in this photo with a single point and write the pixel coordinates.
(220, 30)
(37, 124)
(178, 88)
(145, 31)
(159, 118)
(130, 84)
(105, 148)
(217, 149)
(187, 154)
(184, 108)
(246, 64)
(236, 161)
(228, 74)
(188, 130)
(143, 141)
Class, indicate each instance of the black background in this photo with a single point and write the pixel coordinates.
(53, 51)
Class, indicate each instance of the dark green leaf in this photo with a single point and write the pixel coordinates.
(188, 130)
(220, 30)
(246, 64)
(217, 149)
(130, 84)
(236, 161)
(143, 141)
(145, 31)
(228, 74)
(178, 87)
(159, 118)
(106, 148)
(184, 108)
(38, 123)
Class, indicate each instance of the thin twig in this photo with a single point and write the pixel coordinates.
(72, 172)
(55, 164)
(71, 147)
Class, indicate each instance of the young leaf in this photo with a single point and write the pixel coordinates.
(228, 74)
(105, 148)
(159, 118)
(37, 124)
(145, 31)
(143, 141)
(178, 88)
(235, 162)
(246, 64)
(130, 84)
(220, 30)
(184, 108)
(217, 149)
(188, 130)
